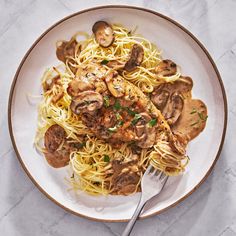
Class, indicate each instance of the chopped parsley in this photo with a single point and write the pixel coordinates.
(49, 117)
(104, 62)
(106, 101)
(118, 116)
(132, 113)
(202, 117)
(120, 123)
(152, 122)
(72, 176)
(106, 158)
(195, 123)
(136, 119)
(117, 105)
(193, 111)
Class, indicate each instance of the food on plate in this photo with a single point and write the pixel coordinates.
(113, 107)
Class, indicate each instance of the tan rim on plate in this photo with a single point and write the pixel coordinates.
(127, 7)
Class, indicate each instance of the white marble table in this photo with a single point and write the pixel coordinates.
(211, 210)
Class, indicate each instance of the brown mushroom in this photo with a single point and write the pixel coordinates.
(76, 86)
(87, 101)
(166, 68)
(103, 33)
(174, 107)
(136, 58)
(66, 49)
(145, 134)
(160, 98)
(115, 84)
(116, 65)
(61, 157)
(54, 137)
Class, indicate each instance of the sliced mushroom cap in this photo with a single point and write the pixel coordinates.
(184, 84)
(116, 65)
(87, 101)
(58, 159)
(173, 108)
(145, 134)
(136, 57)
(66, 49)
(61, 157)
(160, 98)
(166, 68)
(76, 86)
(54, 137)
(115, 84)
(103, 33)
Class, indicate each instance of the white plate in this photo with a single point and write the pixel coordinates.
(177, 44)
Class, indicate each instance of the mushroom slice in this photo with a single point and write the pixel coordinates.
(115, 84)
(136, 57)
(116, 65)
(66, 49)
(173, 108)
(103, 33)
(87, 101)
(166, 68)
(54, 137)
(145, 134)
(77, 86)
(160, 99)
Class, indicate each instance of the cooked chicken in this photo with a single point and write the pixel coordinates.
(115, 84)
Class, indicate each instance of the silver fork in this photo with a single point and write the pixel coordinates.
(152, 183)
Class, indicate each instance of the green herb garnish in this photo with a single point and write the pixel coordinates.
(49, 117)
(117, 105)
(112, 129)
(106, 158)
(72, 176)
(132, 113)
(152, 122)
(120, 123)
(104, 62)
(136, 119)
(106, 101)
(118, 116)
(201, 116)
(193, 111)
(194, 123)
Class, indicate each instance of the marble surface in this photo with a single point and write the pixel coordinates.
(211, 210)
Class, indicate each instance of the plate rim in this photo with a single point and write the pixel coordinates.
(12, 89)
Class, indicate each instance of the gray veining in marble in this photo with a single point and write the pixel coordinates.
(210, 211)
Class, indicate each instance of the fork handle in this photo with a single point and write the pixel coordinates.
(134, 218)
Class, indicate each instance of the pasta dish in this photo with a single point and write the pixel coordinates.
(113, 107)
